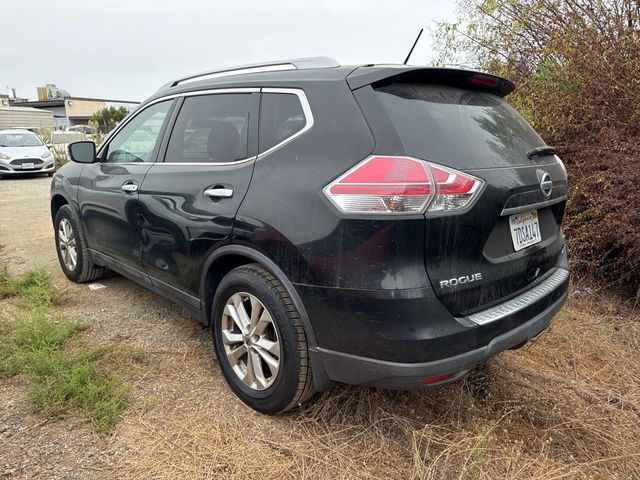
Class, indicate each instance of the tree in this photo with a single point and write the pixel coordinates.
(577, 67)
(107, 118)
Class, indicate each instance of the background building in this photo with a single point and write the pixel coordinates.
(24, 117)
(67, 110)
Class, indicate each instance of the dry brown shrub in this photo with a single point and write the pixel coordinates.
(577, 67)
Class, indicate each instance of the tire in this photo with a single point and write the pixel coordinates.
(84, 270)
(50, 174)
(292, 384)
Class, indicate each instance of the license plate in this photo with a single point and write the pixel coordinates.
(27, 166)
(525, 229)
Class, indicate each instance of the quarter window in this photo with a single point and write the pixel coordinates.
(281, 117)
(212, 129)
(137, 140)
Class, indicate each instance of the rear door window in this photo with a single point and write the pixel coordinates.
(213, 129)
(455, 127)
(281, 117)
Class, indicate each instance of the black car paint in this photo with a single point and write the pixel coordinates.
(360, 283)
(180, 227)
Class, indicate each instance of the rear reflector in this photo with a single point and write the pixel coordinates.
(397, 185)
(436, 379)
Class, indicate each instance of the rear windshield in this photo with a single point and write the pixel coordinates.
(456, 127)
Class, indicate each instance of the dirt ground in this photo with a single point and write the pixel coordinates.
(565, 406)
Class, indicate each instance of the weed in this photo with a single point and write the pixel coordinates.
(65, 373)
(33, 288)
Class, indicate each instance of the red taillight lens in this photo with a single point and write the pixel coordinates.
(383, 185)
(401, 185)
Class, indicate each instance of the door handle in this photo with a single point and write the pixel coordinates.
(219, 192)
(129, 187)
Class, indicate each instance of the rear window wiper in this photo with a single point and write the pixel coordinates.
(541, 151)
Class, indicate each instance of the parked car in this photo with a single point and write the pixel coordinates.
(84, 129)
(379, 225)
(22, 151)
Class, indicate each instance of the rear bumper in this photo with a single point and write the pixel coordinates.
(356, 370)
(397, 338)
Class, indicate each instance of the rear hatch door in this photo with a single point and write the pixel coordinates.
(472, 257)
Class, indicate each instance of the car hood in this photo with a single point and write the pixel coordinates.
(24, 152)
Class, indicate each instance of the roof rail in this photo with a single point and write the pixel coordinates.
(295, 64)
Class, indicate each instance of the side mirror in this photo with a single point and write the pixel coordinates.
(82, 152)
(49, 146)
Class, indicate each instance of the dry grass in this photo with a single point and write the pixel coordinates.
(566, 406)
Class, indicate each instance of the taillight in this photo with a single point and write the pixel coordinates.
(388, 185)
(454, 190)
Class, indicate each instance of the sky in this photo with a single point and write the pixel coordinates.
(127, 49)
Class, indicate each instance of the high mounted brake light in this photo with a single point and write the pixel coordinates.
(401, 185)
(482, 81)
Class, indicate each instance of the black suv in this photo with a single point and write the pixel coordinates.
(381, 225)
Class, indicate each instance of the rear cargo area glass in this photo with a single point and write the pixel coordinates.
(455, 127)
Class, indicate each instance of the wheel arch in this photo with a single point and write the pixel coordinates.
(228, 257)
(58, 199)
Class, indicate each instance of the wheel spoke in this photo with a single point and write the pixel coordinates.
(242, 312)
(231, 311)
(73, 256)
(234, 355)
(256, 310)
(270, 360)
(67, 229)
(264, 321)
(272, 347)
(230, 338)
(257, 370)
(249, 377)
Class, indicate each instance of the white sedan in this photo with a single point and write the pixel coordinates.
(22, 151)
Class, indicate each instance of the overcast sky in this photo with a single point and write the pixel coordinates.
(126, 49)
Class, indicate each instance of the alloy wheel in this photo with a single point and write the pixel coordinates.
(251, 342)
(67, 244)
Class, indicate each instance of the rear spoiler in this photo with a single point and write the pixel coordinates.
(468, 79)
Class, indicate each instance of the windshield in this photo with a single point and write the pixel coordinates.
(456, 127)
(20, 139)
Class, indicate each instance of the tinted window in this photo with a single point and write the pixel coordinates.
(137, 139)
(281, 116)
(211, 128)
(455, 127)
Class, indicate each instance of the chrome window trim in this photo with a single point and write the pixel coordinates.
(306, 110)
(522, 301)
(143, 107)
(302, 97)
(213, 164)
